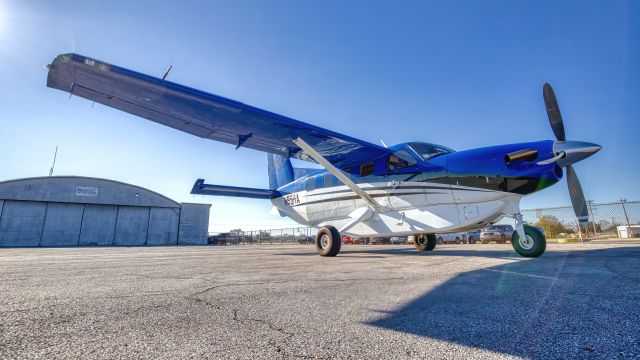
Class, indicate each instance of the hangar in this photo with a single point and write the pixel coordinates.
(74, 210)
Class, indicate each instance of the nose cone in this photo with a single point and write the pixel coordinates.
(574, 151)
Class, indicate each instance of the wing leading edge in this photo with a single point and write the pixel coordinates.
(202, 114)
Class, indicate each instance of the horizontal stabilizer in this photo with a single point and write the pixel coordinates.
(200, 188)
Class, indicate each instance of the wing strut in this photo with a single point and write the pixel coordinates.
(337, 173)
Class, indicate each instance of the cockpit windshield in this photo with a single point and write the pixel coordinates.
(429, 151)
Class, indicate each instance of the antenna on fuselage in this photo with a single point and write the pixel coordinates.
(383, 144)
(166, 72)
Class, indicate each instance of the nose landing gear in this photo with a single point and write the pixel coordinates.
(527, 241)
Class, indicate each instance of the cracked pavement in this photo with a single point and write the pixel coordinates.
(460, 301)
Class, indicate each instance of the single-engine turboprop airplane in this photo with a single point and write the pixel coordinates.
(414, 188)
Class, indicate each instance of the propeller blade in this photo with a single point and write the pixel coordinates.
(553, 111)
(577, 196)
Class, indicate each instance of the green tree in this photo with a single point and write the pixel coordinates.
(551, 225)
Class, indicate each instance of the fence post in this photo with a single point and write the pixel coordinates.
(593, 218)
(626, 217)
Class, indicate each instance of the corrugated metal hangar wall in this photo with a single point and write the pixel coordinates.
(71, 210)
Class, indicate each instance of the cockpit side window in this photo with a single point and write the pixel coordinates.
(400, 159)
(429, 151)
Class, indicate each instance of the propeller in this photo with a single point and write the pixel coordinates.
(567, 153)
(577, 196)
(553, 111)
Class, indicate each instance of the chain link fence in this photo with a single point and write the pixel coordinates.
(619, 219)
(296, 235)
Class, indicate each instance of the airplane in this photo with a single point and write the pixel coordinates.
(363, 189)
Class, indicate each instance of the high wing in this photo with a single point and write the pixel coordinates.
(202, 114)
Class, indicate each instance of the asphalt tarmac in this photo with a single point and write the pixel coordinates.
(458, 302)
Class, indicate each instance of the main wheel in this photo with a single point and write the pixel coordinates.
(328, 241)
(533, 245)
(425, 242)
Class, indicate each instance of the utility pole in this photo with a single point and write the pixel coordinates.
(626, 217)
(55, 155)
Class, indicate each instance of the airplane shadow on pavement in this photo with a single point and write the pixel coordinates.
(561, 305)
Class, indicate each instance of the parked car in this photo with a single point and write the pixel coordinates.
(346, 239)
(498, 233)
(452, 238)
(473, 236)
(307, 240)
(218, 239)
(398, 240)
(377, 240)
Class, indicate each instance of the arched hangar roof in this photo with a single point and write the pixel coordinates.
(79, 189)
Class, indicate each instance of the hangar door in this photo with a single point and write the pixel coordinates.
(98, 225)
(132, 225)
(21, 223)
(62, 224)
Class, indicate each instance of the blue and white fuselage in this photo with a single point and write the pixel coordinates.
(442, 191)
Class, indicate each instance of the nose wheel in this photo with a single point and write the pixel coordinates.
(425, 242)
(328, 241)
(533, 244)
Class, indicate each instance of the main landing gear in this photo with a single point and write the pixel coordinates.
(425, 242)
(328, 241)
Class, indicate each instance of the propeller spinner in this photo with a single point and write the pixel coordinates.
(567, 153)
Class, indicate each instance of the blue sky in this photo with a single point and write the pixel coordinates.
(462, 73)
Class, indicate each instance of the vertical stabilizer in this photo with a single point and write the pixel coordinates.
(280, 171)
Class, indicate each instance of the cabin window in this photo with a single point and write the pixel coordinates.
(310, 184)
(366, 169)
(319, 182)
(400, 159)
(336, 182)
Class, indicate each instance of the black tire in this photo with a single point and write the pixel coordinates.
(440, 241)
(329, 246)
(425, 242)
(534, 246)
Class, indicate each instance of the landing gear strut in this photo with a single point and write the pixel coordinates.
(425, 242)
(328, 241)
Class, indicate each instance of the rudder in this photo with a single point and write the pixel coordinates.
(280, 171)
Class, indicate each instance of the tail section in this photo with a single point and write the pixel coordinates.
(280, 171)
